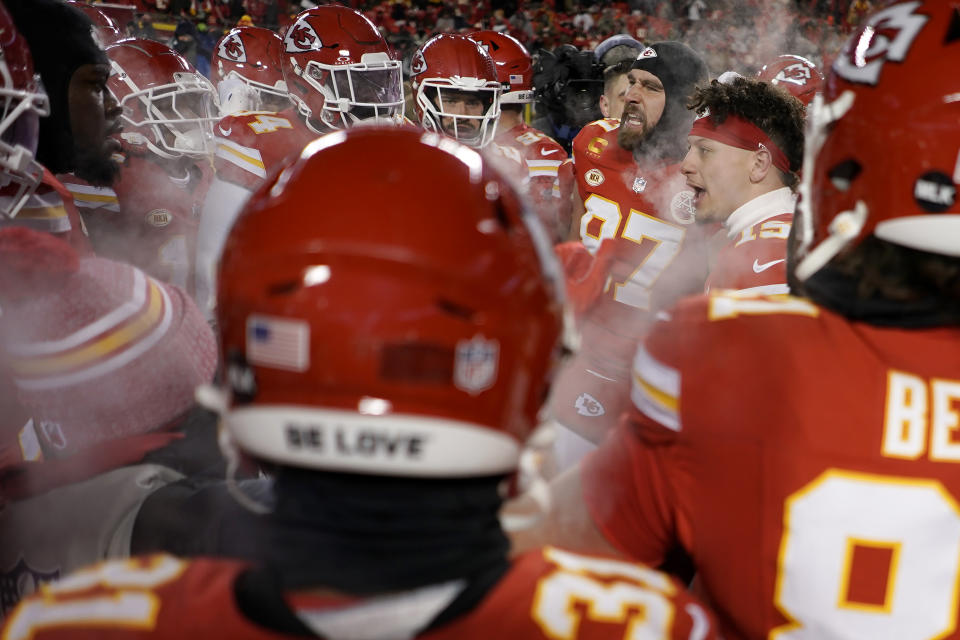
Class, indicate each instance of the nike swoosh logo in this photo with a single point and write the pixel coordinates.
(546, 153)
(757, 267)
(225, 132)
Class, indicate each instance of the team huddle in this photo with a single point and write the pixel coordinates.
(277, 360)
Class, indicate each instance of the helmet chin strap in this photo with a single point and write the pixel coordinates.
(232, 455)
(216, 400)
(844, 227)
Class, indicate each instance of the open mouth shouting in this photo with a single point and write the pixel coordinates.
(698, 194)
(633, 118)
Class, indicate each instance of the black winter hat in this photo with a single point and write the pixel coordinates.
(680, 69)
(61, 40)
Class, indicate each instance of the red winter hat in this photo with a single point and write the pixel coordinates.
(97, 349)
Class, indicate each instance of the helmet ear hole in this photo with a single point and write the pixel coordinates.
(842, 175)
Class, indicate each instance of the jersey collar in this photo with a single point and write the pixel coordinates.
(772, 203)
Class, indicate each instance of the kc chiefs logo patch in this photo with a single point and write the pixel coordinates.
(418, 65)
(587, 405)
(649, 52)
(301, 37)
(231, 48)
(886, 37)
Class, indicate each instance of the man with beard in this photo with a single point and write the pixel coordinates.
(83, 115)
(150, 216)
(629, 192)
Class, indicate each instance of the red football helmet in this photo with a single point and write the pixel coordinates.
(246, 71)
(340, 70)
(882, 140)
(514, 67)
(168, 106)
(796, 74)
(105, 29)
(22, 103)
(419, 343)
(456, 88)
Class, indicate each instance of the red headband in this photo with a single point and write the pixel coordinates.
(737, 132)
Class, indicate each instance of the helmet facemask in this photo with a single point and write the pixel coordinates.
(368, 92)
(238, 93)
(466, 109)
(179, 116)
(19, 132)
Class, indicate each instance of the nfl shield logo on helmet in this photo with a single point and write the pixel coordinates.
(475, 364)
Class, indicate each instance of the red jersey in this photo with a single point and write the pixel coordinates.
(810, 465)
(544, 157)
(547, 593)
(51, 208)
(652, 255)
(646, 211)
(249, 145)
(151, 220)
(754, 259)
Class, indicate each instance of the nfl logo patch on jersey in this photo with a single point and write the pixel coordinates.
(475, 364)
(594, 177)
(639, 184)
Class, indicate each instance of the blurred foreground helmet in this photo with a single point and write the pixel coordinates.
(883, 138)
(364, 332)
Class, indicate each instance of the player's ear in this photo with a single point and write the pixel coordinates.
(760, 164)
(604, 106)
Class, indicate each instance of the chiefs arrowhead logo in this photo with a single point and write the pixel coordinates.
(418, 65)
(231, 48)
(647, 53)
(301, 37)
(798, 74)
(887, 36)
(587, 405)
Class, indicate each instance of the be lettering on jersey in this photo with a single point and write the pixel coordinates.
(922, 417)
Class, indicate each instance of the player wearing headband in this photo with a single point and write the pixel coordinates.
(745, 151)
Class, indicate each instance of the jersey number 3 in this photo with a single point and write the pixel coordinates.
(613, 592)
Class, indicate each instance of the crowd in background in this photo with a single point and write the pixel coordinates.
(732, 34)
